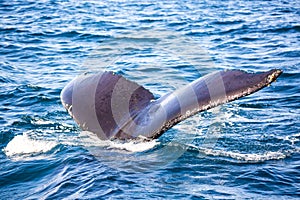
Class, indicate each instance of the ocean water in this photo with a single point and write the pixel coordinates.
(247, 149)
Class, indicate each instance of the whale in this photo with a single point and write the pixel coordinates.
(113, 107)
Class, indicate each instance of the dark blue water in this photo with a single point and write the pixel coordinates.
(248, 149)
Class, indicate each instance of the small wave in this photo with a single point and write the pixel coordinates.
(69, 34)
(290, 53)
(294, 28)
(228, 22)
(24, 145)
(4, 79)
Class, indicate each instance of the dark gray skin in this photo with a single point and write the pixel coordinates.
(113, 107)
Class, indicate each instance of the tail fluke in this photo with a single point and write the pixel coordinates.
(114, 107)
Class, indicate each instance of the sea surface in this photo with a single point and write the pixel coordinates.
(246, 149)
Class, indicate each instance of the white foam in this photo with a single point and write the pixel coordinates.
(22, 144)
(91, 140)
(248, 157)
(134, 146)
(292, 138)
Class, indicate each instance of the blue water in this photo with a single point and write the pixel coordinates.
(247, 149)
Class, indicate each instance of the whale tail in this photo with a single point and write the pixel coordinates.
(113, 107)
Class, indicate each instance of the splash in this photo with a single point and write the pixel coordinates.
(133, 146)
(91, 140)
(24, 145)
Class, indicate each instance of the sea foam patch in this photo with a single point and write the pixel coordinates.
(23, 144)
(245, 157)
(89, 139)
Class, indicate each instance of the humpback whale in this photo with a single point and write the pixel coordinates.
(114, 107)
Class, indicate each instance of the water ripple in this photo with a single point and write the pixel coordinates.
(43, 45)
